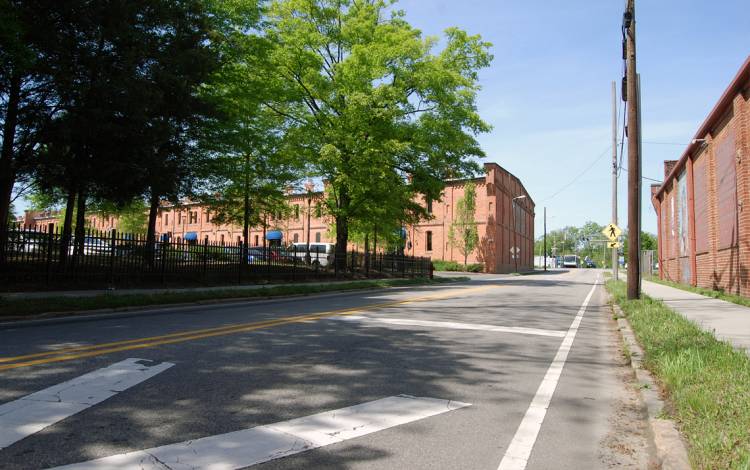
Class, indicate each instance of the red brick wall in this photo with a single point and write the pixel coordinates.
(493, 217)
(721, 185)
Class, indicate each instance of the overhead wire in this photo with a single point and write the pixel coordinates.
(579, 175)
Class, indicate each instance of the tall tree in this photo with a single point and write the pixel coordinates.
(27, 101)
(463, 231)
(247, 169)
(369, 102)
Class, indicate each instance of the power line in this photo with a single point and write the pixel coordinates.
(579, 175)
(643, 177)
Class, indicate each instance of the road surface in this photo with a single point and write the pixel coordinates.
(497, 372)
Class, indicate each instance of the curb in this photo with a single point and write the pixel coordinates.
(671, 450)
(76, 316)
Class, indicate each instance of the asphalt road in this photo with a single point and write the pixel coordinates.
(544, 378)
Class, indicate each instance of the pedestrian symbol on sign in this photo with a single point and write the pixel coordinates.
(612, 232)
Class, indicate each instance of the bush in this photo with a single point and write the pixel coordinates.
(441, 265)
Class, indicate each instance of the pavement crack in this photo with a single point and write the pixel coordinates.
(159, 461)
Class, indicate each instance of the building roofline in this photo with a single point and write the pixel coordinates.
(711, 120)
(518, 180)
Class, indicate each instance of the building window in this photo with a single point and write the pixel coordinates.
(166, 219)
(317, 237)
(296, 237)
(428, 241)
(193, 217)
(179, 219)
(429, 206)
(206, 217)
(256, 241)
(239, 240)
(222, 238)
(296, 212)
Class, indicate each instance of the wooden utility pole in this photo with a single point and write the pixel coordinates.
(634, 157)
(615, 258)
(545, 238)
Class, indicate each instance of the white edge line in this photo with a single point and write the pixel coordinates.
(519, 451)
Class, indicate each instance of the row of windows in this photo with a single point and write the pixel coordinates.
(318, 212)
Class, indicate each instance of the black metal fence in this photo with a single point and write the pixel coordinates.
(42, 258)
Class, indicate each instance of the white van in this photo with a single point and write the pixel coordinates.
(320, 253)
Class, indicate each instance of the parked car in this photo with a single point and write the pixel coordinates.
(590, 264)
(92, 246)
(265, 253)
(255, 255)
(320, 253)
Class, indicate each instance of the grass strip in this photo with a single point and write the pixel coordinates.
(19, 308)
(707, 381)
(715, 294)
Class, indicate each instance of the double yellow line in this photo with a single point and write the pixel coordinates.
(78, 352)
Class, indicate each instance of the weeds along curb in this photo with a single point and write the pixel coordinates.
(671, 451)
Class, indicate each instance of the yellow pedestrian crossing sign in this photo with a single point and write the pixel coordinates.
(614, 244)
(612, 232)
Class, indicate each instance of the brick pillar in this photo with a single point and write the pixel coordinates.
(713, 214)
(691, 221)
(742, 152)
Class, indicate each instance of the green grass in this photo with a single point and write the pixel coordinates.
(16, 308)
(707, 381)
(441, 265)
(716, 294)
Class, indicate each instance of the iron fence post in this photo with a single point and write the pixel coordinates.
(50, 234)
(112, 258)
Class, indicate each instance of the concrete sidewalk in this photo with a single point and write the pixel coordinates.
(728, 321)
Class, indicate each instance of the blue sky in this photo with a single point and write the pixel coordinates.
(547, 93)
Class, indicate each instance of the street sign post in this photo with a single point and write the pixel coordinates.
(612, 232)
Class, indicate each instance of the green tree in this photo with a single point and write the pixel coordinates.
(369, 104)
(247, 169)
(463, 231)
(26, 98)
(648, 242)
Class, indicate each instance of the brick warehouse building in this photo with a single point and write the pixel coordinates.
(428, 238)
(703, 206)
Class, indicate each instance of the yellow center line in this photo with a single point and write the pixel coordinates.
(77, 352)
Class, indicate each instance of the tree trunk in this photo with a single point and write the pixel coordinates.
(7, 170)
(342, 239)
(67, 230)
(246, 211)
(367, 252)
(151, 230)
(80, 223)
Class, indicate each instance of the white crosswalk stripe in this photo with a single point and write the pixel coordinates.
(34, 412)
(263, 443)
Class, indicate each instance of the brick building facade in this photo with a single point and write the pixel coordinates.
(428, 238)
(496, 216)
(703, 206)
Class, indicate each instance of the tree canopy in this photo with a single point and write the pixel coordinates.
(374, 111)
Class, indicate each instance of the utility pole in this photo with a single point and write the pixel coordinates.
(615, 260)
(545, 238)
(634, 164)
